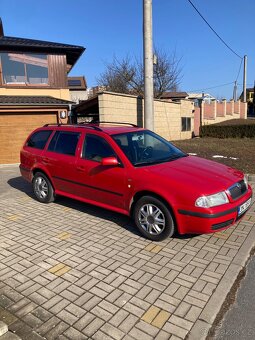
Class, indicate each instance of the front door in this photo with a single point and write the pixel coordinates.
(103, 184)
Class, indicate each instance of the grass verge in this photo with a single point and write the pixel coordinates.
(237, 153)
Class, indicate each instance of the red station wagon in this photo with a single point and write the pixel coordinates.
(135, 172)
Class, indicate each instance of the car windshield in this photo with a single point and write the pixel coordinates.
(147, 148)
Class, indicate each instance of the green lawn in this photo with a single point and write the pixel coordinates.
(237, 153)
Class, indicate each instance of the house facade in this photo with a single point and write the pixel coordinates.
(77, 88)
(34, 88)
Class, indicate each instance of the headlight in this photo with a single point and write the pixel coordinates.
(245, 179)
(212, 200)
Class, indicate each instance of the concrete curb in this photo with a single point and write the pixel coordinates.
(5, 334)
(251, 177)
(3, 328)
(10, 336)
(202, 327)
(8, 165)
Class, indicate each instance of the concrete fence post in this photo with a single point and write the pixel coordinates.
(245, 110)
(214, 103)
(232, 107)
(202, 112)
(224, 102)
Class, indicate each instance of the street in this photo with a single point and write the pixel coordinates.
(238, 323)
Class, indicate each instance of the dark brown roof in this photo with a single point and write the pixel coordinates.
(172, 95)
(9, 44)
(33, 101)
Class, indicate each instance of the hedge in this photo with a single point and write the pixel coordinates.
(237, 130)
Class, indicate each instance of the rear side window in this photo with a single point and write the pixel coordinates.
(39, 139)
(64, 142)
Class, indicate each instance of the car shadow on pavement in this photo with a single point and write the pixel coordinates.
(20, 184)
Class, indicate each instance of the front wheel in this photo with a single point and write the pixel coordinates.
(43, 189)
(153, 218)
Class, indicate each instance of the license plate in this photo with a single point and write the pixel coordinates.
(244, 207)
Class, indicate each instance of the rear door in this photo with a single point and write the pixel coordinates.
(60, 159)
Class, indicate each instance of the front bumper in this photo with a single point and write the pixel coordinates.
(210, 220)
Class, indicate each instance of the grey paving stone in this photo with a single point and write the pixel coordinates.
(84, 321)
(42, 314)
(93, 326)
(56, 331)
(73, 334)
(114, 280)
(112, 331)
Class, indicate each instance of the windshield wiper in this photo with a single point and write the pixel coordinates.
(162, 160)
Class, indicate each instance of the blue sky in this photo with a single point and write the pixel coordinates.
(114, 27)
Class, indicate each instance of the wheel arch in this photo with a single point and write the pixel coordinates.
(37, 169)
(143, 193)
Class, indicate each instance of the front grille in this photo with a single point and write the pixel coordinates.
(222, 224)
(237, 190)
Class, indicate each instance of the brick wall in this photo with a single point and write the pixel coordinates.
(167, 115)
(218, 112)
(224, 111)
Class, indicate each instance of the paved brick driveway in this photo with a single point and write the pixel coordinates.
(72, 271)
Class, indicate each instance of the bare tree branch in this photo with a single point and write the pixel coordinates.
(127, 76)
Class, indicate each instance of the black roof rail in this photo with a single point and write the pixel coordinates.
(74, 125)
(57, 124)
(105, 122)
(90, 125)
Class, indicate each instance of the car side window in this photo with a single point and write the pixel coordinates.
(95, 148)
(39, 139)
(64, 142)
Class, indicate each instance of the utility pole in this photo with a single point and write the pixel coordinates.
(244, 78)
(253, 100)
(148, 65)
(235, 92)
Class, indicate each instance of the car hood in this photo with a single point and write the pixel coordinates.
(197, 172)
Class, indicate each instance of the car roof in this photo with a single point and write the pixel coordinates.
(106, 128)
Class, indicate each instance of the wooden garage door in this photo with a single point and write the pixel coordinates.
(14, 129)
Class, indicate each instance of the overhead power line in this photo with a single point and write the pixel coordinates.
(250, 84)
(214, 30)
(239, 69)
(213, 87)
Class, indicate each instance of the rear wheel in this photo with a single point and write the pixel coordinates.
(153, 218)
(43, 189)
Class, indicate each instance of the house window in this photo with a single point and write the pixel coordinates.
(186, 124)
(24, 69)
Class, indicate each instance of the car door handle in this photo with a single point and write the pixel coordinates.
(80, 168)
(46, 160)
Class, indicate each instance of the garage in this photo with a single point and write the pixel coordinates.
(17, 120)
(14, 128)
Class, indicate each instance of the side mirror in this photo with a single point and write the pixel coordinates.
(109, 161)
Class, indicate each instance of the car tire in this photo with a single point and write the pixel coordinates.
(43, 189)
(153, 218)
